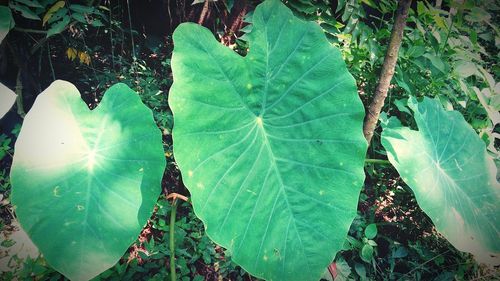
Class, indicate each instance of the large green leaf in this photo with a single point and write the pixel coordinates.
(453, 178)
(270, 145)
(85, 182)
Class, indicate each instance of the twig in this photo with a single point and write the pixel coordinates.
(377, 161)
(387, 72)
(239, 13)
(50, 62)
(130, 27)
(19, 93)
(173, 213)
(27, 30)
(111, 38)
(174, 196)
(203, 13)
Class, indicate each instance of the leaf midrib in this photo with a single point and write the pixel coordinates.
(267, 144)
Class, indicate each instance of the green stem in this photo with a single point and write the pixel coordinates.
(447, 36)
(27, 30)
(50, 62)
(173, 276)
(19, 93)
(377, 161)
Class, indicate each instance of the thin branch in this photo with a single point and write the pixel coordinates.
(174, 196)
(19, 93)
(377, 161)
(387, 72)
(173, 275)
(204, 12)
(50, 62)
(27, 30)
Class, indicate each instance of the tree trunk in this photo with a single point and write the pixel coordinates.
(387, 72)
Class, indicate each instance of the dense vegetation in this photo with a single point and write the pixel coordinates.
(449, 52)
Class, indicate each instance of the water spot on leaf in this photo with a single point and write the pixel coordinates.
(55, 191)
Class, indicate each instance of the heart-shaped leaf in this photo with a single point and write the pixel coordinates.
(85, 182)
(270, 145)
(454, 180)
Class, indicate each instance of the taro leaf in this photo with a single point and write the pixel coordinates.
(447, 166)
(6, 22)
(85, 182)
(7, 99)
(270, 145)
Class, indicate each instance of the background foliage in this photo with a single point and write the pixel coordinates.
(450, 51)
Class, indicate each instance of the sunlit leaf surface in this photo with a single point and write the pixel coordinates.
(453, 178)
(85, 182)
(270, 145)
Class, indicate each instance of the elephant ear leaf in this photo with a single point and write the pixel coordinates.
(85, 182)
(447, 166)
(270, 145)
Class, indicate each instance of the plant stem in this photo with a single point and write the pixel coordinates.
(387, 72)
(27, 30)
(131, 33)
(203, 13)
(447, 36)
(19, 93)
(50, 62)
(377, 161)
(173, 276)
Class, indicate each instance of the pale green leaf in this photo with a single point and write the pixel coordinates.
(7, 99)
(454, 179)
(270, 145)
(85, 182)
